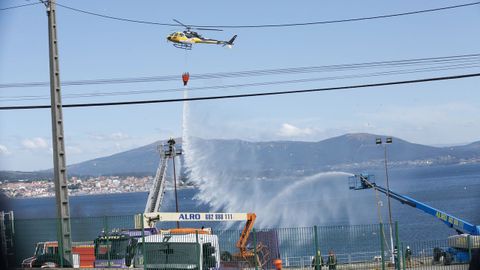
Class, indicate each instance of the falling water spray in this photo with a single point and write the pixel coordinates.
(229, 178)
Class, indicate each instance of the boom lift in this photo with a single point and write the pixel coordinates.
(469, 234)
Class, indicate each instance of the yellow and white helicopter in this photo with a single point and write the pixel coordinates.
(185, 40)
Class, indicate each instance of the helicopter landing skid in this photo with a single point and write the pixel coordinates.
(184, 46)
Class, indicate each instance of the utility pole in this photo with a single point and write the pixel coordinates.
(388, 140)
(58, 144)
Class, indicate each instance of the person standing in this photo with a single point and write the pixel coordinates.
(332, 260)
(395, 257)
(408, 257)
(318, 257)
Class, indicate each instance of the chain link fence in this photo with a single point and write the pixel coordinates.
(112, 242)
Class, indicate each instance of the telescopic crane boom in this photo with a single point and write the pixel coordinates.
(155, 196)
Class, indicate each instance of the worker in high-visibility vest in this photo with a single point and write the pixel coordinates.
(332, 260)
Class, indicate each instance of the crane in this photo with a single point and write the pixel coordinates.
(109, 242)
(260, 258)
(155, 196)
(459, 244)
(151, 216)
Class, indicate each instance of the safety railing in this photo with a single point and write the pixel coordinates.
(112, 242)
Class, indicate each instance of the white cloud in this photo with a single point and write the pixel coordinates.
(288, 130)
(35, 143)
(116, 136)
(119, 136)
(74, 150)
(4, 150)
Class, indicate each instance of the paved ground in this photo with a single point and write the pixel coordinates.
(374, 266)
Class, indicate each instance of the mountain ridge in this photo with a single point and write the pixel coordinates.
(279, 157)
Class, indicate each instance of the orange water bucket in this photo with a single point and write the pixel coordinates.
(185, 78)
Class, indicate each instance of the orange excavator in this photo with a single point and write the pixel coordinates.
(259, 255)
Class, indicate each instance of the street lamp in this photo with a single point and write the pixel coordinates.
(378, 141)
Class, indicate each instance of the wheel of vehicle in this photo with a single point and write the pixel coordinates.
(226, 256)
(49, 265)
(447, 260)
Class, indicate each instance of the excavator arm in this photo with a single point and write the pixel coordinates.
(242, 241)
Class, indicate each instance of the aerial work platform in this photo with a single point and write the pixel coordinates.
(361, 181)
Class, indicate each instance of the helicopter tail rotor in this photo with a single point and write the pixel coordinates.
(229, 43)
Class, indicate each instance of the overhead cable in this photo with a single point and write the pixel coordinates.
(360, 86)
(244, 85)
(275, 25)
(467, 58)
(20, 6)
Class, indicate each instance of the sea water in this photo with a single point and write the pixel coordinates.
(453, 189)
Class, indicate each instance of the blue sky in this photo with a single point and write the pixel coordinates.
(440, 113)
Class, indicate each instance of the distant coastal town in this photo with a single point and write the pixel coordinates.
(80, 186)
(90, 185)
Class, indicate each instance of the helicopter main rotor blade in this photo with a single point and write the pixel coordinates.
(184, 25)
(196, 28)
(208, 29)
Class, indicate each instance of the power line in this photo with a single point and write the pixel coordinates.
(103, 104)
(275, 25)
(330, 78)
(19, 6)
(467, 58)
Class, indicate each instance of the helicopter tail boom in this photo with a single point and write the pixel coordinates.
(230, 42)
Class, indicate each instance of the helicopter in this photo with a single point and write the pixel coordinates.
(185, 39)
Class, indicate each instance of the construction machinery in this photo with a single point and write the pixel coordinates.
(46, 256)
(459, 245)
(155, 196)
(115, 249)
(194, 249)
(258, 255)
(120, 248)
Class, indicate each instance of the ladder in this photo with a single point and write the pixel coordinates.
(155, 197)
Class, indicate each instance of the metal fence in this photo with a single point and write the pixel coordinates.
(111, 242)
